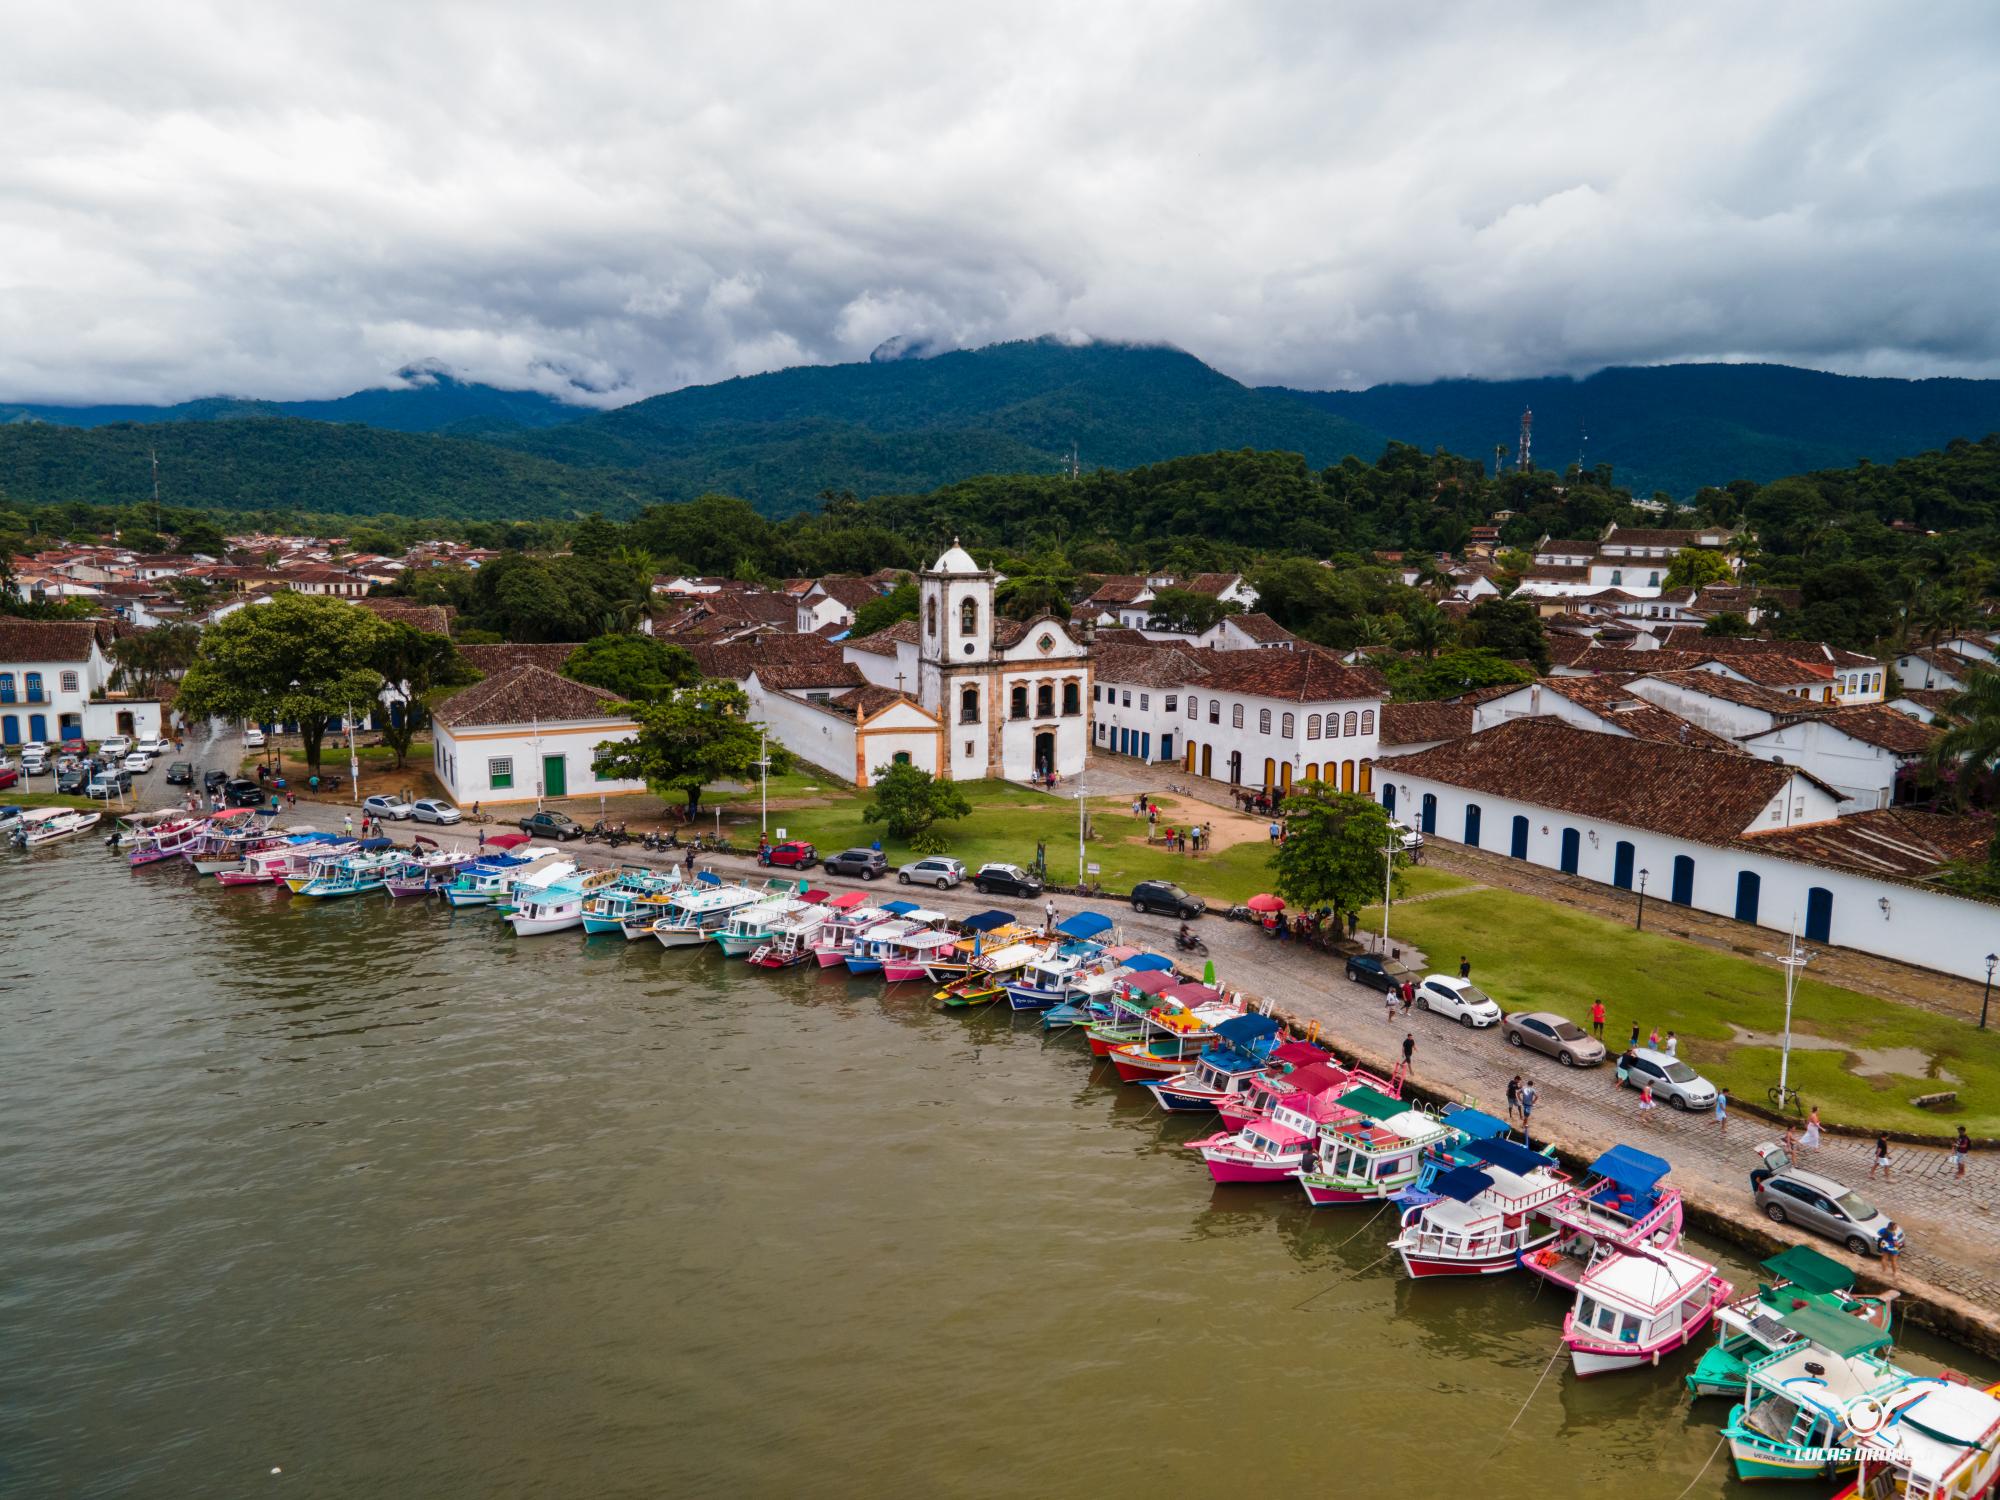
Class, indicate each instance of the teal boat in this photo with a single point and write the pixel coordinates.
(1751, 1327)
(1793, 1420)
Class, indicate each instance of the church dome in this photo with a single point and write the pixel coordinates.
(955, 559)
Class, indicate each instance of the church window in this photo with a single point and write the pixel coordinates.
(1287, 726)
(1046, 644)
(1045, 700)
(968, 705)
(1367, 721)
(1017, 703)
(1235, 716)
(1073, 699)
(930, 615)
(1347, 722)
(1312, 726)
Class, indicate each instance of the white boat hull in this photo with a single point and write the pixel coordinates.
(537, 926)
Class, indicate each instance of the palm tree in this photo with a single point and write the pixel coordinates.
(1425, 628)
(1969, 751)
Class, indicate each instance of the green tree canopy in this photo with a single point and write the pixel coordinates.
(149, 659)
(300, 657)
(688, 738)
(909, 800)
(879, 613)
(1510, 628)
(636, 667)
(420, 666)
(1335, 847)
(1697, 568)
(1450, 674)
(1187, 612)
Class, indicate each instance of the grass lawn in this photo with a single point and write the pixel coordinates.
(1536, 955)
(15, 798)
(1004, 825)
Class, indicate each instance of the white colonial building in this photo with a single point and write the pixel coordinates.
(527, 734)
(1735, 835)
(55, 685)
(1010, 694)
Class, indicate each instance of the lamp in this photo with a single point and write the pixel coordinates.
(1883, 902)
(1991, 960)
(1640, 924)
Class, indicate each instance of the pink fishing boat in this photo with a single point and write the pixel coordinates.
(912, 955)
(164, 838)
(1483, 1218)
(293, 857)
(848, 916)
(1273, 1148)
(1635, 1305)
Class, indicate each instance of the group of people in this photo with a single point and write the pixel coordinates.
(1189, 840)
(1522, 1096)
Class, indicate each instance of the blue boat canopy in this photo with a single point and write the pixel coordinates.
(898, 908)
(1139, 963)
(1632, 1169)
(984, 921)
(1474, 1122)
(708, 877)
(1223, 1060)
(1241, 1031)
(1511, 1155)
(1462, 1184)
(1085, 924)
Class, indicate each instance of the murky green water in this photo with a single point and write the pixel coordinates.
(402, 1205)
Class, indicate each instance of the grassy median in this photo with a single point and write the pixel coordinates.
(1532, 954)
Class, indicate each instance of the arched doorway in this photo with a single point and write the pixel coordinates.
(1388, 798)
(1045, 752)
(1270, 773)
(1428, 818)
(1621, 865)
(1208, 761)
(1572, 850)
(1190, 759)
(1367, 775)
(1749, 886)
(1347, 776)
(1819, 914)
(1518, 842)
(1683, 891)
(1472, 824)
(1285, 778)
(1236, 768)
(1312, 770)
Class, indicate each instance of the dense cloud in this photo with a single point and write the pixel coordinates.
(291, 201)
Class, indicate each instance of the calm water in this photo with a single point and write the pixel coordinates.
(400, 1204)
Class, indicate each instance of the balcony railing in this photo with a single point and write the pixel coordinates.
(38, 696)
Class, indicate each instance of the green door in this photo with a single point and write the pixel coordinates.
(555, 776)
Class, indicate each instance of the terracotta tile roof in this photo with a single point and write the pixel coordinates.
(434, 618)
(1211, 584)
(1422, 723)
(788, 677)
(504, 656)
(1749, 694)
(1937, 700)
(1890, 842)
(44, 640)
(1809, 653)
(803, 661)
(523, 695)
(885, 641)
(1874, 724)
(1151, 665)
(1948, 663)
(1698, 794)
(852, 592)
(867, 701)
(1118, 591)
(1298, 676)
(1638, 538)
(1557, 573)
(1261, 627)
(1610, 699)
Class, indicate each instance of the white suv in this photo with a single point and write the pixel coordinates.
(115, 747)
(155, 745)
(1459, 1000)
(935, 869)
(253, 737)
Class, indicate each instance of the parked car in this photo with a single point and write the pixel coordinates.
(34, 759)
(117, 747)
(104, 785)
(212, 783)
(551, 824)
(154, 744)
(382, 805)
(180, 773)
(869, 864)
(8, 776)
(1672, 1079)
(1408, 837)
(1366, 968)
(243, 792)
(253, 737)
(1558, 1036)
(72, 779)
(1006, 880)
(139, 760)
(935, 869)
(1788, 1195)
(433, 810)
(1457, 1000)
(72, 744)
(792, 854)
(1165, 898)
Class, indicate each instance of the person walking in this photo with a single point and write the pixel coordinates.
(1722, 1109)
(1597, 1019)
(482, 841)
(1513, 1095)
(1881, 1162)
(1530, 1095)
(1353, 923)
(1389, 998)
(347, 824)
(1889, 1246)
(1276, 833)
(1959, 1148)
(1646, 1104)
(1409, 1050)
(1811, 1141)
(1049, 915)
(687, 861)
(1464, 967)
(1673, 1045)
(1409, 996)
(1634, 1042)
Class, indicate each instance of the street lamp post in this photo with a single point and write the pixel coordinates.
(1793, 961)
(1388, 880)
(1640, 924)
(1991, 960)
(764, 782)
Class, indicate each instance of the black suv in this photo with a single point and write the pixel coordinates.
(551, 825)
(1166, 898)
(1366, 968)
(869, 864)
(71, 780)
(1006, 880)
(213, 782)
(180, 773)
(243, 792)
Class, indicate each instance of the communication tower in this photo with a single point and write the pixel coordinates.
(1523, 458)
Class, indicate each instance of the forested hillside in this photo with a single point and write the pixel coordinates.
(1679, 427)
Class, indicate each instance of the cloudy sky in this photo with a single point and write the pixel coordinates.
(294, 201)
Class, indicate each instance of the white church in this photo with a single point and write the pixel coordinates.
(1011, 698)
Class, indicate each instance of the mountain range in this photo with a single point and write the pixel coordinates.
(910, 420)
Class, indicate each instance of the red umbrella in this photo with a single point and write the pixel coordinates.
(505, 840)
(1265, 903)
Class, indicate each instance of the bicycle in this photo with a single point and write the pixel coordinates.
(1782, 1095)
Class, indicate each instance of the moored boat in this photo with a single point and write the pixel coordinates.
(1379, 1150)
(1476, 1220)
(1242, 1053)
(1950, 1447)
(1175, 1032)
(552, 900)
(347, 875)
(1636, 1304)
(158, 835)
(1751, 1327)
(41, 826)
(1796, 1417)
(698, 912)
(292, 854)
(228, 838)
(790, 942)
(1621, 1201)
(749, 926)
(988, 981)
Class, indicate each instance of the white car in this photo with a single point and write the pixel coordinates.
(934, 869)
(1458, 1000)
(114, 747)
(433, 810)
(1405, 836)
(139, 760)
(253, 737)
(34, 759)
(155, 745)
(385, 806)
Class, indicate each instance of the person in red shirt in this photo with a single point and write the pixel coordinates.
(1597, 1018)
